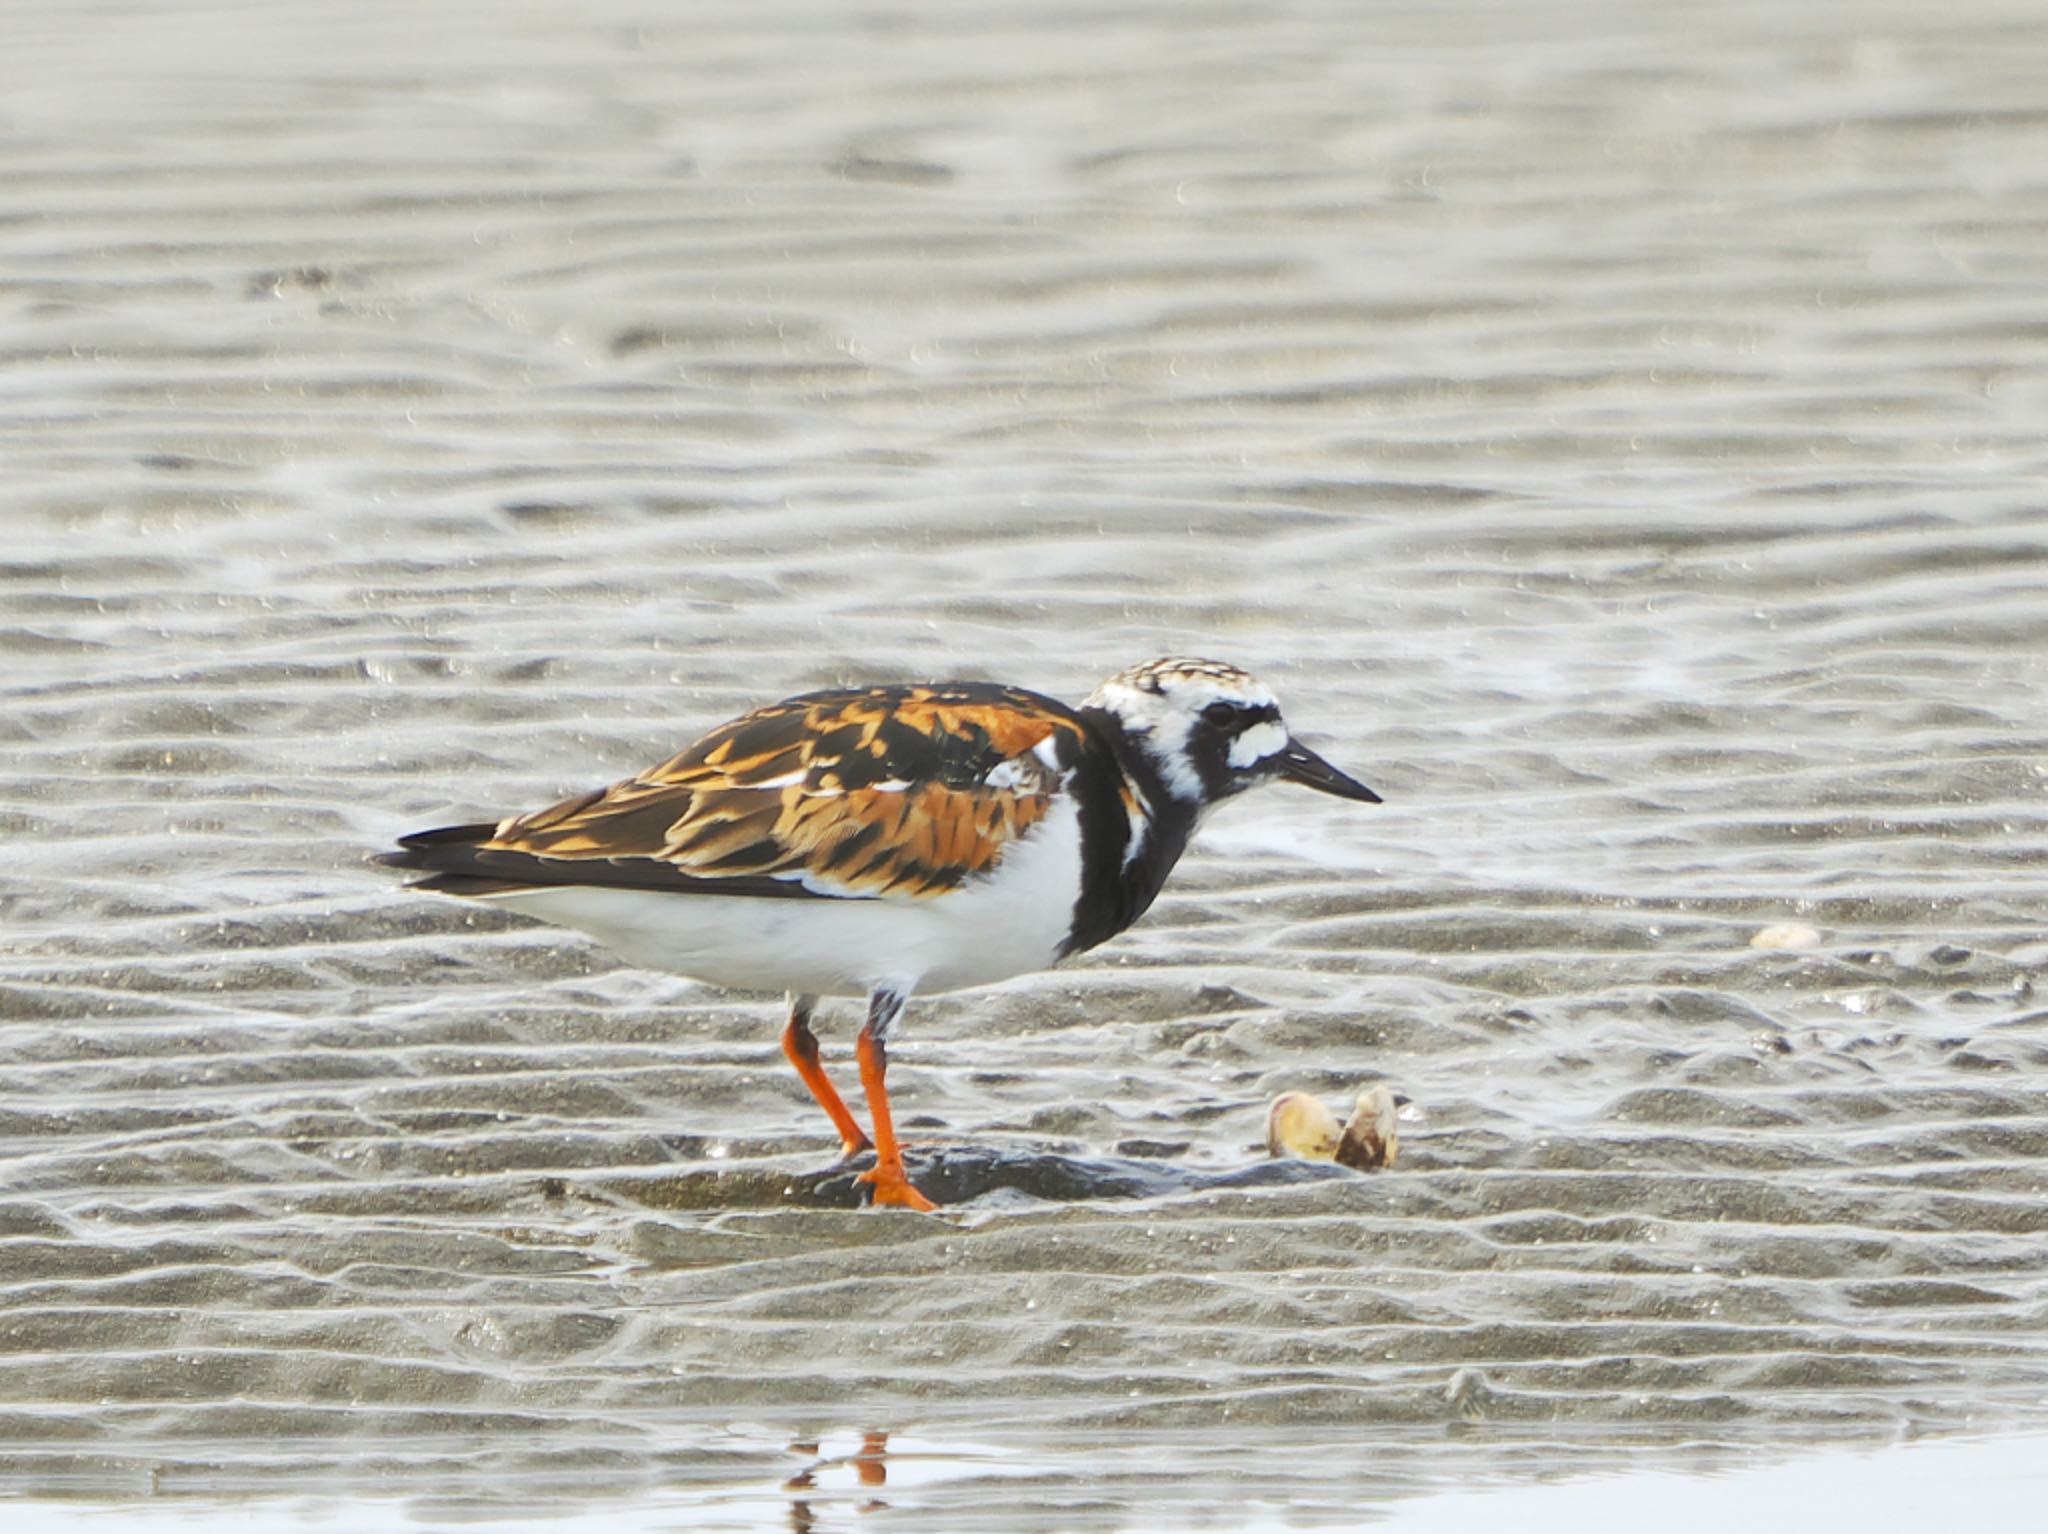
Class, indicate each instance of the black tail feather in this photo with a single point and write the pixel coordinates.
(458, 863)
(475, 831)
(439, 851)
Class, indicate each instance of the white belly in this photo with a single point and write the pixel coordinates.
(1007, 923)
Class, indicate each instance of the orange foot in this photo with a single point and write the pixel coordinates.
(848, 1149)
(893, 1188)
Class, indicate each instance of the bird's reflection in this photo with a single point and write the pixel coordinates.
(870, 1465)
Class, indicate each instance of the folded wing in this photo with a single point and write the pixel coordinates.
(900, 792)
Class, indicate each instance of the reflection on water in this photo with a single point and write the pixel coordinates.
(1258, 1484)
(869, 1464)
(1984, 1485)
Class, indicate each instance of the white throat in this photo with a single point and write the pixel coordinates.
(1159, 727)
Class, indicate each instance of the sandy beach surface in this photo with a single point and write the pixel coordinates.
(1615, 430)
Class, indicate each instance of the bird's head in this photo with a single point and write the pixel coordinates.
(1212, 731)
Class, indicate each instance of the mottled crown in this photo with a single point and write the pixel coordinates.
(1157, 676)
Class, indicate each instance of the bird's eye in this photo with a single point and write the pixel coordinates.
(1221, 715)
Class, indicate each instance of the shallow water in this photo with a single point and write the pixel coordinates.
(1615, 433)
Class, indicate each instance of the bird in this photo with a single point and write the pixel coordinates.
(888, 841)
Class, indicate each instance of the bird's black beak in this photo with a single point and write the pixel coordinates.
(1300, 765)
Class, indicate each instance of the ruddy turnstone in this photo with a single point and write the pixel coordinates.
(880, 841)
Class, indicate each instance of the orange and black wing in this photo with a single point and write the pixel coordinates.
(886, 791)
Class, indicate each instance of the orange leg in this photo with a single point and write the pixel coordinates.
(801, 1045)
(886, 1177)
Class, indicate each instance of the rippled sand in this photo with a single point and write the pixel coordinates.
(1615, 431)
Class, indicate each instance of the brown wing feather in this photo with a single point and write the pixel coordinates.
(888, 791)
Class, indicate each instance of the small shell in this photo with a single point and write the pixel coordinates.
(1300, 1126)
(1787, 934)
(1372, 1135)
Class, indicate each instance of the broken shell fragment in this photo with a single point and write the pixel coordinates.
(1299, 1125)
(1786, 934)
(1372, 1135)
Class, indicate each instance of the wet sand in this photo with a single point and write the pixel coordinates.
(1615, 432)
